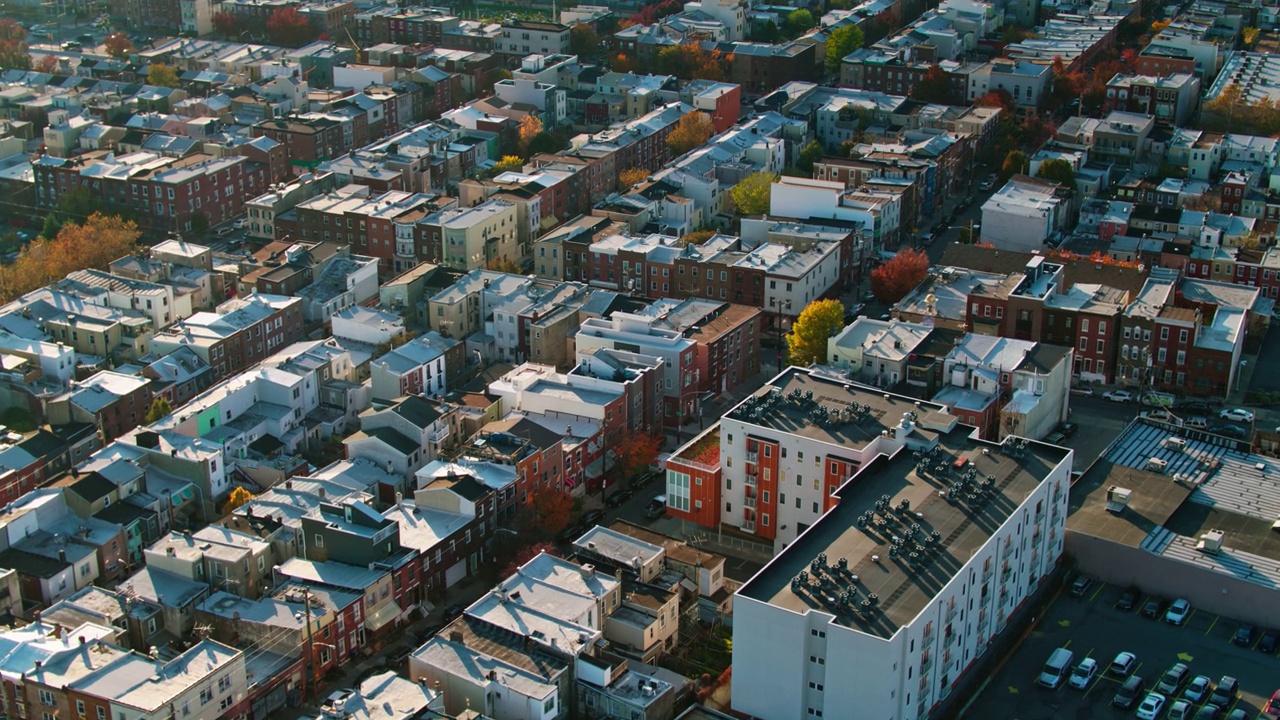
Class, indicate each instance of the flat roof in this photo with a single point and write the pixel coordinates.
(962, 526)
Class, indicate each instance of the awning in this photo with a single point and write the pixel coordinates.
(380, 616)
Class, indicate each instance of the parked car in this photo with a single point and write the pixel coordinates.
(1055, 438)
(1084, 390)
(1236, 415)
(617, 497)
(1124, 664)
(1152, 608)
(1129, 693)
(1150, 707)
(1163, 416)
(1128, 599)
(656, 508)
(1178, 612)
(1081, 586)
(1270, 640)
(1196, 406)
(1195, 422)
(1209, 712)
(1234, 431)
(1171, 682)
(1118, 395)
(452, 612)
(591, 518)
(1225, 693)
(1273, 705)
(569, 534)
(1198, 689)
(1067, 428)
(72, 46)
(1152, 398)
(240, 223)
(85, 39)
(1082, 674)
(1244, 635)
(1181, 710)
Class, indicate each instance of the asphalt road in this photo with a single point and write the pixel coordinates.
(1091, 627)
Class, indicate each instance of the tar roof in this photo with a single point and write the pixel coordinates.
(961, 527)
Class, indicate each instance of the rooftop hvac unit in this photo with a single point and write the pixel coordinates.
(1118, 499)
(1211, 542)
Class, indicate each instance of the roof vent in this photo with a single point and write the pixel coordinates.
(1211, 542)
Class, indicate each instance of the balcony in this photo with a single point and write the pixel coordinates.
(750, 479)
(951, 613)
(987, 572)
(926, 662)
(749, 502)
(749, 527)
(753, 457)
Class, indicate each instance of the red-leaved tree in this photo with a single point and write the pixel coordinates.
(552, 510)
(13, 46)
(289, 28)
(893, 280)
(226, 24)
(636, 453)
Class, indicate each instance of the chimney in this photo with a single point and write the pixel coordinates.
(62, 555)
(82, 640)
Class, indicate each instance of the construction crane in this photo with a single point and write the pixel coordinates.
(355, 47)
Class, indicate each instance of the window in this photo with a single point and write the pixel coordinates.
(1164, 333)
(319, 540)
(206, 695)
(80, 708)
(46, 697)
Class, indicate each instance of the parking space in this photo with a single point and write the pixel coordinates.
(1092, 626)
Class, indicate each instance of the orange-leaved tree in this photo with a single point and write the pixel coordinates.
(551, 511)
(893, 280)
(691, 131)
(101, 239)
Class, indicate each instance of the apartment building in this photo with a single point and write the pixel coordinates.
(1004, 386)
(208, 680)
(526, 37)
(1023, 214)
(242, 332)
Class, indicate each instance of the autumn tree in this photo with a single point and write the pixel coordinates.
(93, 244)
(1059, 171)
(799, 22)
(811, 153)
(691, 61)
(934, 87)
(583, 41)
(1231, 111)
(691, 131)
(697, 237)
(13, 46)
(1065, 85)
(118, 45)
(551, 511)
(508, 163)
(636, 454)
(159, 408)
(290, 28)
(162, 75)
(625, 63)
(227, 24)
(1015, 162)
(46, 64)
(504, 265)
(840, 42)
(807, 341)
(239, 497)
(894, 279)
(530, 127)
(998, 98)
(751, 195)
(631, 177)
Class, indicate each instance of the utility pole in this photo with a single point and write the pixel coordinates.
(307, 662)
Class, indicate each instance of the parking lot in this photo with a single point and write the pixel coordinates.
(1091, 626)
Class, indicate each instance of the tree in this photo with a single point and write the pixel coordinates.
(162, 75)
(545, 142)
(934, 87)
(199, 223)
(965, 235)
(894, 279)
(631, 177)
(811, 153)
(118, 45)
(1059, 171)
(93, 244)
(159, 408)
(690, 61)
(1015, 162)
(508, 163)
(552, 510)
(504, 264)
(583, 41)
(51, 227)
(692, 130)
(13, 46)
(530, 127)
(290, 28)
(697, 237)
(807, 341)
(637, 453)
(799, 22)
(840, 42)
(751, 195)
(767, 33)
(46, 64)
(239, 497)
(625, 63)
(998, 98)
(226, 24)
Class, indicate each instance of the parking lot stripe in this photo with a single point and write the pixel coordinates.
(1094, 596)
(1215, 622)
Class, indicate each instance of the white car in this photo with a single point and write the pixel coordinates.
(1118, 395)
(1198, 689)
(1082, 390)
(240, 224)
(1151, 706)
(1178, 612)
(1123, 665)
(1083, 673)
(1236, 415)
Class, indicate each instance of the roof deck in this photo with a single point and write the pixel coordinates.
(854, 539)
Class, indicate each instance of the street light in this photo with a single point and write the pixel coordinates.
(778, 308)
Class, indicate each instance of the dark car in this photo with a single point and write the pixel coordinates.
(569, 534)
(1055, 438)
(1129, 693)
(1067, 428)
(452, 612)
(1234, 431)
(1195, 406)
(592, 517)
(1225, 693)
(1244, 635)
(617, 497)
(640, 481)
(1153, 608)
(1209, 712)
(1081, 586)
(1128, 600)
(86, 39)
(1269, 642)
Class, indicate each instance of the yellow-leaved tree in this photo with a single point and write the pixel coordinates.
(807, 341)
(239, 496)
(751, 196)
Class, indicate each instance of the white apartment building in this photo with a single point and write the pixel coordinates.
(548, 98)
(843, 624)
(802, 198)
(202, 683)
(1026, 82)
(876, 351)
(1022, 215)
(640, 334)
(794, 277)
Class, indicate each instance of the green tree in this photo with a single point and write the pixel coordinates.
(51, 227)
(1059, 171)
(811, 153)
(159, 408)
(807, 341)
(544, 142)
(199, 223)
(766, 33)
(1015, 162)
(840, 42)
(583, 41)
(691, 131)
(799, 22)
(751, 196)
(162, 75)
